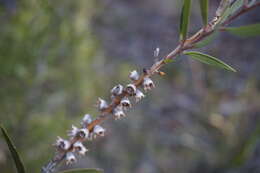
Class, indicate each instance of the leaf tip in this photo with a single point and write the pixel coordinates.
(233, 70)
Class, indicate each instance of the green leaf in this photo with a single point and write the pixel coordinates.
(18, 162)
(210, 60)
(235, 6)
(185, 16)
(245, 31)
(204, 5)
(83, 171)
(230, 10)
(206, 40)
(166, 61)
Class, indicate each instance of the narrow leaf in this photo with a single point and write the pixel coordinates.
(13, 150)
(204, 10)
(206, 40)
(83, 171)
(223, 17)
(231, 9)
(245, 31)
(210, 60)
(235, 6)
(185, 16)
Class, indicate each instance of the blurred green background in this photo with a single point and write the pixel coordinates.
(58, 57)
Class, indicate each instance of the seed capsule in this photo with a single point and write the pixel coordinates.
(117, 90)
(148, 84)
(80, 148)
(98, 131)
(62, 144)
(102, 104)
(87, 119)
(131, 89)
(134, 75)
(83, 133)
(118, 113)
(79, 133)
(73, 132)
(70, 158)
(139, 95)
(125, 103)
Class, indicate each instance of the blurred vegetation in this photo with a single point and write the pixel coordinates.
(58, 57)
(46, 74)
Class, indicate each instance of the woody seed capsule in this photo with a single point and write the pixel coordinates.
(83, 133)
(148, 84)
(131, 89)
(98, 131)
(73, 132)
(117, 90)
(125, 102)
(62, 144)
(139, 95)
(80, 148)
(102, 104)
(134, 75)
(87, 119)
(118, 112)
(70, 158)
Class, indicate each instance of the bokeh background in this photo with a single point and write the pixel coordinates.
(57, 57)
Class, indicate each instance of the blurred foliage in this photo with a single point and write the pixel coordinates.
(58, 57)
(46, 74)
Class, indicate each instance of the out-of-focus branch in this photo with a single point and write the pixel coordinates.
(243, 10)
(183, 45)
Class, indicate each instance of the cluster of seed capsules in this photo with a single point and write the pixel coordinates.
(74, 145)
